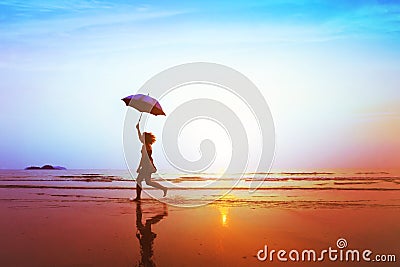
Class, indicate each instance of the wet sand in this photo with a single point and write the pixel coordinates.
(73, 227)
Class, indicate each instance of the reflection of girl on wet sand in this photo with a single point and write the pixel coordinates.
(146, 236)
(146, 166)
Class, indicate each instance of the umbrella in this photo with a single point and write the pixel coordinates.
(144, 103)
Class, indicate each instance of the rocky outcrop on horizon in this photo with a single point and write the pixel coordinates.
(45, 167)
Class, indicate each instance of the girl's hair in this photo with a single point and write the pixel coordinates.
(149, 138)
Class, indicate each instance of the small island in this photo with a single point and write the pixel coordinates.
(45, 167)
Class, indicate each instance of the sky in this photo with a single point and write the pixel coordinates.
(329, 71)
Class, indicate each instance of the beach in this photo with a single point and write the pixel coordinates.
(76, 221)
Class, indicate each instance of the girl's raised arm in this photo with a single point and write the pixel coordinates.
(140, 135)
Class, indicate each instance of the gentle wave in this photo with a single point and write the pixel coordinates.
(197, 188)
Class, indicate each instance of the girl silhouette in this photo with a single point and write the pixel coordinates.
(146, 165)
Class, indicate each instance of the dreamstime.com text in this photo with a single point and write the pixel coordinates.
(332, 254)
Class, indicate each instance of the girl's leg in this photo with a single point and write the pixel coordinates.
(139, 180)
(155, 184)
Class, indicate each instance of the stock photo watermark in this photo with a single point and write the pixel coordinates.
(206, 108)
(339, 253)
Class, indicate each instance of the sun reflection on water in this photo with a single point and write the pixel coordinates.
(224, 216)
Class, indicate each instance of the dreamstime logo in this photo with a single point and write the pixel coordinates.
(205, 108)
(341, 243)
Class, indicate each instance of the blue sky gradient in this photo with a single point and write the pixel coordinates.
(63, 63)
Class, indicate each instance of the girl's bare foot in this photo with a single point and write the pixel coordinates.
(165, 191)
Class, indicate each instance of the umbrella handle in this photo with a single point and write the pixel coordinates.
(141, 113)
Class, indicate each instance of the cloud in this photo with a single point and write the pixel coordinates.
(43, 23)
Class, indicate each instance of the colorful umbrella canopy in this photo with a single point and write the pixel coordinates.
(144, 103)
